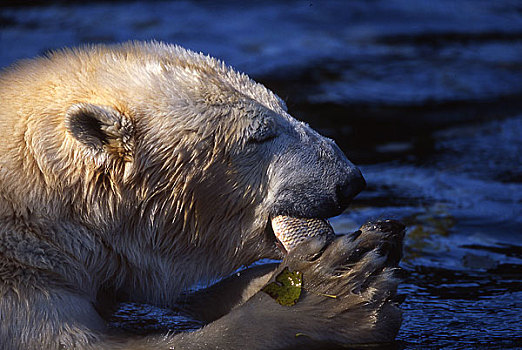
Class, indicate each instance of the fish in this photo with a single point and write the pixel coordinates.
(291, 231)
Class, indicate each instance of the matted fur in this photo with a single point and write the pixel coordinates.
(134, 171)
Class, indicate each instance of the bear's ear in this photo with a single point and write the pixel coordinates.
(101, 128)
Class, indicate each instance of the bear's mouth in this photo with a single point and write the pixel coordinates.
(278, 247)
(290, 231)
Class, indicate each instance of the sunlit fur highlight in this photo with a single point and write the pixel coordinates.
(44, 165)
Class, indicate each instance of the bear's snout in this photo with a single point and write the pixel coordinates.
(350, 187)
(320, 197)
(312, 178)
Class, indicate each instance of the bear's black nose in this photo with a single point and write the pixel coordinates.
(354, 184)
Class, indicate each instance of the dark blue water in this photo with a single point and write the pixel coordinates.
(425, 95)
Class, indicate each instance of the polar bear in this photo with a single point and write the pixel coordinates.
(131, 172)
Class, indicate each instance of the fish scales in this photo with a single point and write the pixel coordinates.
(291, 231)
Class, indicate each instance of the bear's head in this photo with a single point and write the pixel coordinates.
(160, 148)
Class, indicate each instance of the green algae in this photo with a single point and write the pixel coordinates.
(287, 287)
